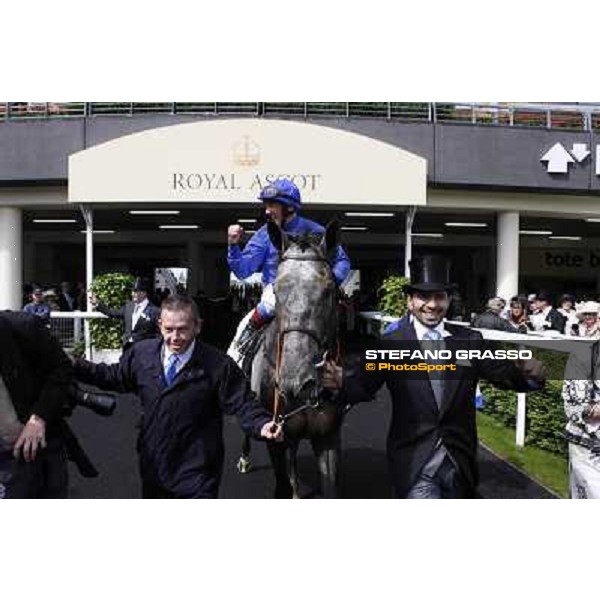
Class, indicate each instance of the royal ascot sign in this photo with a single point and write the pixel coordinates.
(230, 160)
(191, 182)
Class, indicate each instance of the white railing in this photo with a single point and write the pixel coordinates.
(71, 329)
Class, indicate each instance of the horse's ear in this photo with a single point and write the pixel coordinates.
(276, 236)
(330, 239)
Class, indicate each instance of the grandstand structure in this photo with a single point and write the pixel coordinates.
(509, 190)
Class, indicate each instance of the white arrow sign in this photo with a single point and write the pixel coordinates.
(580, 152)
(598, 159)
(558, 159)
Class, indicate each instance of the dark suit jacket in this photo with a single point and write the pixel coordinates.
(417, 423)
(146, 326)
(181, 441)
(556, 320)
(490, 320)
(34, 367)
(63, 303)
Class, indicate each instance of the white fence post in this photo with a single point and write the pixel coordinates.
(521, 418)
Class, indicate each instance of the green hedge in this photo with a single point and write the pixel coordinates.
(113, 290)
(545, 422)
(392, 299)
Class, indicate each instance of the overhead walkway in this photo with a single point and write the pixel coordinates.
(574, 117)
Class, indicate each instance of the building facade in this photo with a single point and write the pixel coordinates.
(510, 192)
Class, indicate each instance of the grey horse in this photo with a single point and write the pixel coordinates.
(286, 371)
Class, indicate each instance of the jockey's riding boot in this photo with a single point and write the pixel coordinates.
(249, 340)
(251, 331)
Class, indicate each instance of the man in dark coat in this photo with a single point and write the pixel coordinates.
(185, 387)
(491, 319)
(140, 315)
(66, 299)
(34, 377)
(432, 441)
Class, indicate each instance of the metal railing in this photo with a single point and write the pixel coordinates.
(540, 116)
(69, 328)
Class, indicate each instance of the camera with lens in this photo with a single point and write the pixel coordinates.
(102, 403)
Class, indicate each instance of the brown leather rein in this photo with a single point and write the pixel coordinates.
(278, 395)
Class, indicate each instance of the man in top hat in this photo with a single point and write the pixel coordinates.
(140, 315)
(432, 441)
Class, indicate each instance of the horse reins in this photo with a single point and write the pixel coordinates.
(281, 419)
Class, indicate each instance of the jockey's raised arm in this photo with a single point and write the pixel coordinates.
(282, 202)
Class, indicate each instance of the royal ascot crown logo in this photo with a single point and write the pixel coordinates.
(246, 153)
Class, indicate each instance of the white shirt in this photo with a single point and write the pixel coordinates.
(138, 309)
(184, 357)
(538, 319)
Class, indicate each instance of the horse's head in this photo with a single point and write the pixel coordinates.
(305, 311)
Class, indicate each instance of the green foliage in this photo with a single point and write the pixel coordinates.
(545, 414)
(78, 349)
(392, 299)
(546, 421)
(113, 290)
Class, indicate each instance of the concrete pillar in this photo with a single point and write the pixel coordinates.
(507, 255)
(11, 258)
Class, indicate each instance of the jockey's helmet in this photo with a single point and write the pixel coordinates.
(282, 191)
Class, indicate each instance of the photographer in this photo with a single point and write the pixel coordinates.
(34, 379)
(37, 392)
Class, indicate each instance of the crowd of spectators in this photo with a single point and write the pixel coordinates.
(539, 312)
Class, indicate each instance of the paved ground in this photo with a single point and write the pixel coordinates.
(111, 445)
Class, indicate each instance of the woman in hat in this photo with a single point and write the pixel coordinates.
(581, 397)
(587, 315)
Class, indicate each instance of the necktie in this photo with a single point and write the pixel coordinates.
(171, 370)
(435, 378)
(432, 335)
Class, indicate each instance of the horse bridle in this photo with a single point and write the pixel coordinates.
(311, 403)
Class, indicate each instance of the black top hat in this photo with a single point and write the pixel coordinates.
(139, 285)
(429, 274)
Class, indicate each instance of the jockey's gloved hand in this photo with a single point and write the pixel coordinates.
(257, 320)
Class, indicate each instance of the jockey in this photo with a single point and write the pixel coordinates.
(282, 203)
